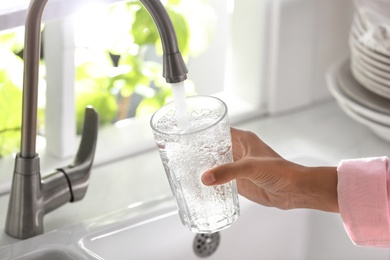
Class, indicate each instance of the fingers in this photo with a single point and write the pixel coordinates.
(248, 143)
(208, 178)
(225, 173)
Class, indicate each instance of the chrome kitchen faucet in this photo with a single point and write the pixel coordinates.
(32, 196)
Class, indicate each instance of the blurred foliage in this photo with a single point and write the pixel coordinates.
(11, 69)
(117, 59)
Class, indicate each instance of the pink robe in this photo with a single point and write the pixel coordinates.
(364, 195)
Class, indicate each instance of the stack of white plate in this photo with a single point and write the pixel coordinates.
(361, 82)
(370, 60)
(361, 104)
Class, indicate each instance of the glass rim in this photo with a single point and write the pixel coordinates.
(218, 120)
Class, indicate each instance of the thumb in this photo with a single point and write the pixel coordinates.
(222, 174)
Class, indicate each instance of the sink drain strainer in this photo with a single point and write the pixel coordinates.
(206, 244)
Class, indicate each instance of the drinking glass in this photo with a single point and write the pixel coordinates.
(187, 152)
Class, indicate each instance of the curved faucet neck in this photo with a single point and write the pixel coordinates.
(174, 69)
(31, 77)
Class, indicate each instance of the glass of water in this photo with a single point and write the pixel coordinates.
(187, 152)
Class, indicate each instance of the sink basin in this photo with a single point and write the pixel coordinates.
(153, 231)
(259, 233)
(44, 247)
(50, 254)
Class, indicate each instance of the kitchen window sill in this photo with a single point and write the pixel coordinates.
(123, 140)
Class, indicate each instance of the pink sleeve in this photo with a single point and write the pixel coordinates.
(363, 195)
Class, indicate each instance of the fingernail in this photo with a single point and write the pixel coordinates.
(208, 178)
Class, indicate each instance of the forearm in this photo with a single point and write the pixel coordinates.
(316, 188)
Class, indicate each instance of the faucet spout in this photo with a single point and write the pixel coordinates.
(32, 196)
(174, 68)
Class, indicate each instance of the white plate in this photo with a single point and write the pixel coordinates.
(381, 130)
(371, 85)
(345, 103)
(341, 97)
(369, 61)
(355, 91)
(378, 72)
(355, 51)
(368, 74)
(358, 45)
(362, 28)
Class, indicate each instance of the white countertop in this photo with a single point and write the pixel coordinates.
(321, 134)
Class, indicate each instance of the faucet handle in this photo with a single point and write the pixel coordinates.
(78, 172)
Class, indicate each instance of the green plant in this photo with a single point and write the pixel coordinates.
(117, 64)
(112, 66)
(11, 84)
(11, 70)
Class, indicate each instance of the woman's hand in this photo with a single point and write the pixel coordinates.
(263, 176)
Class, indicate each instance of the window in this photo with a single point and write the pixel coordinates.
(210, 71)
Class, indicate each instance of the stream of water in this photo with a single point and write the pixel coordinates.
(182, 117)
